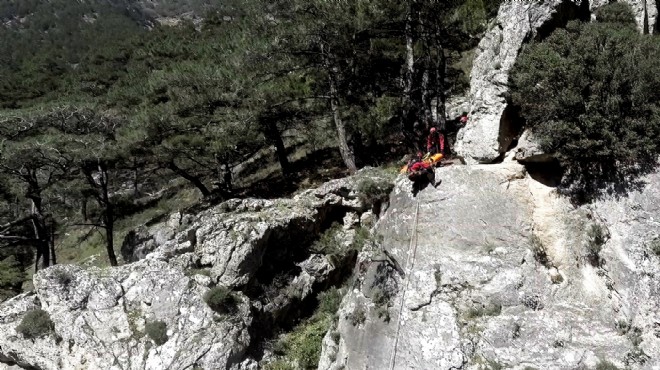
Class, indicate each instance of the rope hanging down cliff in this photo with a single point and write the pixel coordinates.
(413, 246)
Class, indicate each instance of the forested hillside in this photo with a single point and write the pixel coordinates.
(106, 113)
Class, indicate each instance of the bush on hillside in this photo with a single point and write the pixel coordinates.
(157, 331)
(616, 14)
(11, 278)
(35, 324)
(371, 192)
(591, 95)
(221, 300)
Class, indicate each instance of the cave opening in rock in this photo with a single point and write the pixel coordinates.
(548, 173)
(511, 126)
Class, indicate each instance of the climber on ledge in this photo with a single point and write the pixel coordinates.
(435, 142)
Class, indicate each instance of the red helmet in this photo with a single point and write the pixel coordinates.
(432, 129)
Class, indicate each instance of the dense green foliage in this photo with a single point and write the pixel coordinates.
(591, 95)
(221, 300)
(302, 345)
(157, 331)
(35, 324)
(102, 108)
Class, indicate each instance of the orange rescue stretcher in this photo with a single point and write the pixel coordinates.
(432, 159)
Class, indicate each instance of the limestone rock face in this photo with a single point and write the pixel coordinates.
(232, 240)
(529, 150)
(480, 140)
(646, 14)
(502, 271)
(100, 317)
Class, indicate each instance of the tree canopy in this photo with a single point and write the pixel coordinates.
(591, 94)
(101, 106)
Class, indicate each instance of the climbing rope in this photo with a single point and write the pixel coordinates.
(413, 246)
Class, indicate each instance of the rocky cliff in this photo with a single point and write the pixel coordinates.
(494, 125)
(491, 269)
(498, 271)
(153, 314)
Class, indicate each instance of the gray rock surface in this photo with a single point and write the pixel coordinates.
(232, 239)
(646, 14)
(516, 21)
(100, 316)
(528, 149)
(506, 273)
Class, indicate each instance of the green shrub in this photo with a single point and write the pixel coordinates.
(358, 316)
(193, 272)
(617, 13)
(622, 326)
(362, 236)
(540, 255)
(370, 192)
(303, 344)
(590, 93)
(327, 243)
(157, 331)
(596, 239)
(279, 365)
(490, 309)
(63, 277)
(654, 245)
(606, 365)
(329, 301)
(11, 278)
(221, 300)
(35, 324)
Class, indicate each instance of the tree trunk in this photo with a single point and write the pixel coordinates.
(83, 208)
(409, 69)
(102, 195)
(41, 234)
(425, 99)
(440, 73)
(109, 214)
(276, 137)
(109, 235)
(52, 243)
(226, 177)
(195, 180)
(136, 178)
(345, 150)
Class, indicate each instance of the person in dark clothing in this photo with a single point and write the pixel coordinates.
(435, 142)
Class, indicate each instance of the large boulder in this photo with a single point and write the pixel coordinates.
(502, 272)
(528, 150)
(100, 318)
(481, 140)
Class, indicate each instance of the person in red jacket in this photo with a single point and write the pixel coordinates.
(435, 142)
(420, 173)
